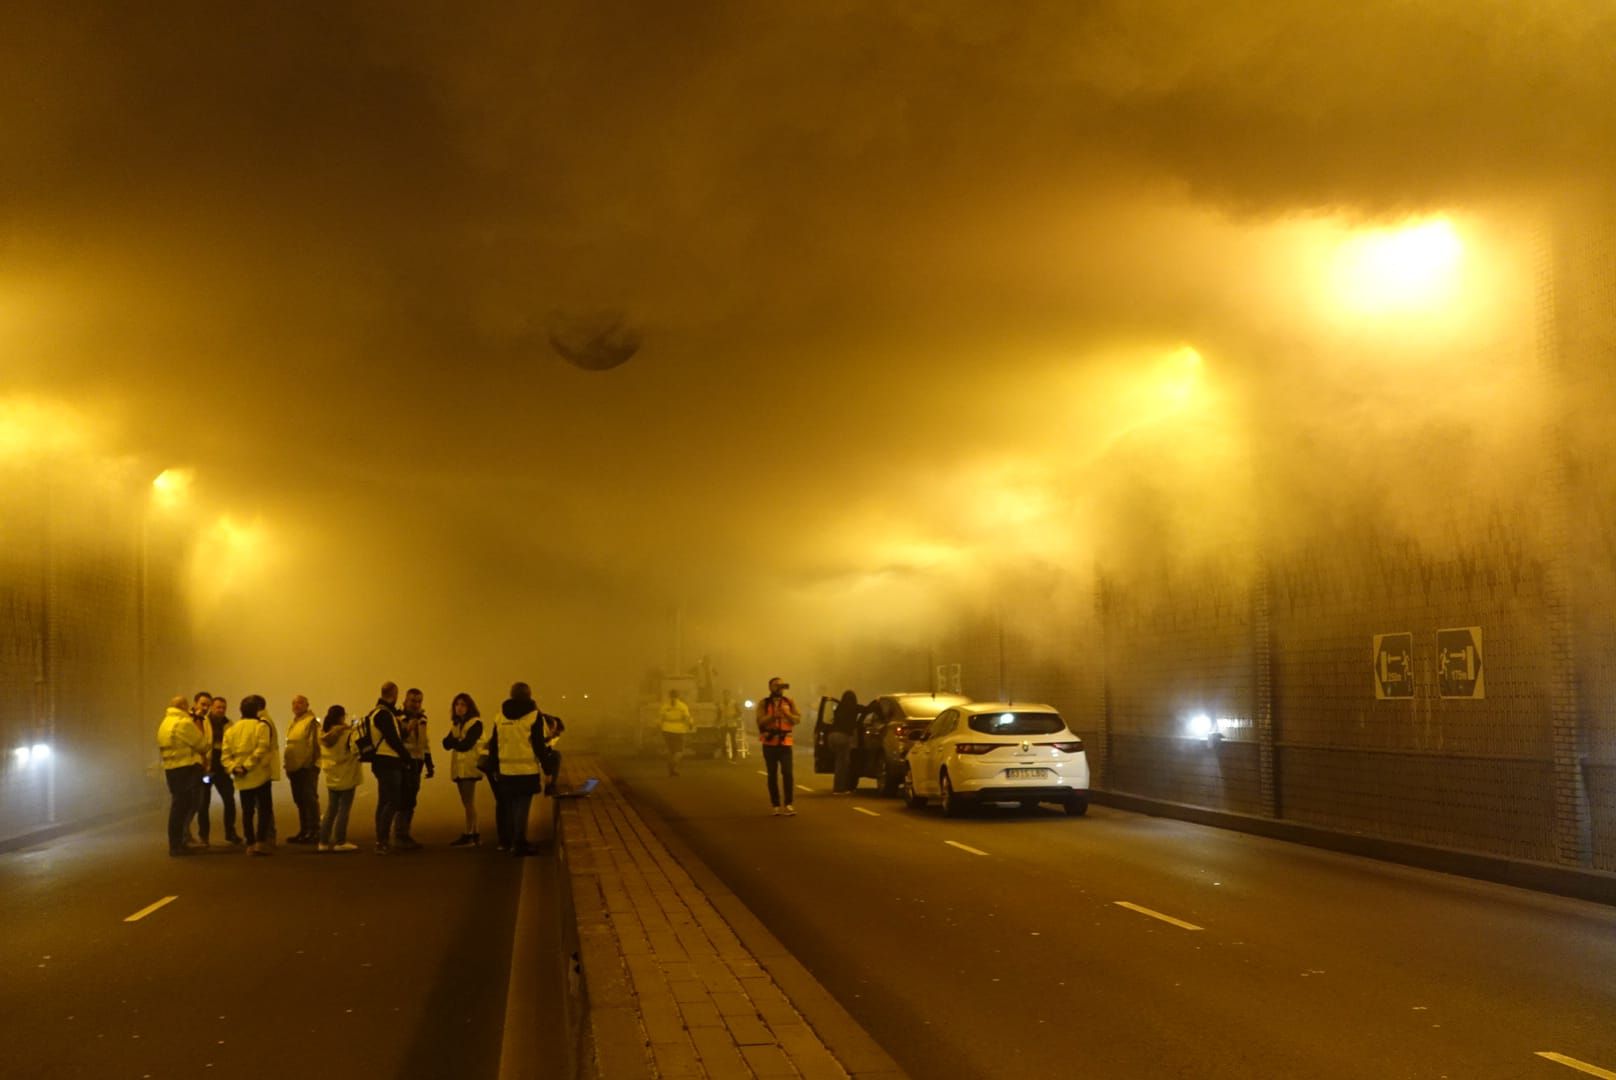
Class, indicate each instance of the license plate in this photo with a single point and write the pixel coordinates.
(1024, 774)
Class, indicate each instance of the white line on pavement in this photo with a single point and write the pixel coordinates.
(1157, 915)
(804, 787)
(965, 847)
(763, 772)
(149, 908)
(1580, 1066)
(861, 810)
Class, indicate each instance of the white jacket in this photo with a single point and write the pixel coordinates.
(182, 743)
(249, 744)
(340, 763)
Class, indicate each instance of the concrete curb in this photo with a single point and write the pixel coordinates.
(1593, 885)
(843, 1036)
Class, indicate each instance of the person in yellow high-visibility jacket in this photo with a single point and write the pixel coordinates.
(676, 724)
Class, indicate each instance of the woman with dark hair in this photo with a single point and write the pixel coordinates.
(464, 740)
(252, 757)
(339, 761)
(843, 735)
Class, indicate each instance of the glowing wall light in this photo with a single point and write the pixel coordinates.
(1407, 270)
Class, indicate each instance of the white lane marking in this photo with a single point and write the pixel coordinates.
(1157, 915)
(1580, 1066)
(762, 772)
(965, 847)
(149, 908)
(861, 810)
(804, 787)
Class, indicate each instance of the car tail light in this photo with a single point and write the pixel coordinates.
(975, 747)
(1069, 747)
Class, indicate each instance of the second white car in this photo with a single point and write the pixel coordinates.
(998, 752)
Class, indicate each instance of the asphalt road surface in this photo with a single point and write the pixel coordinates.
(1120, 945)
(296, 966)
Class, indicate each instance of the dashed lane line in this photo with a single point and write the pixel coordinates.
(1165, 918)
(861, 810)
(965, 847)
(149, 908)
(1573, 1063)
(805, 787)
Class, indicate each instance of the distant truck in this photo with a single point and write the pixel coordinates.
(705, 739)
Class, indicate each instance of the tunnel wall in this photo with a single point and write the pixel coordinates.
(70, 589)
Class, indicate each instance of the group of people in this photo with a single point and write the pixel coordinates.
(776, 718)
(204, 751)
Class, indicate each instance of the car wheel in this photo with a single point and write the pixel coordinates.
(1077, 805)
(952, 806)
(912, 799)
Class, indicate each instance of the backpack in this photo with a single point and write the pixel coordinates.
(364, 739)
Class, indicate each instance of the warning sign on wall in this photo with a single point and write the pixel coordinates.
(1394, 666)
(948, 678)
(1459, 667)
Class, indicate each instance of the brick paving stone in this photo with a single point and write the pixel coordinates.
(687, 998)
(767, 1061)
(701, 1014)
(749, 1031)
(719, 1054)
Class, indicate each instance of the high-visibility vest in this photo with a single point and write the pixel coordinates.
(413, 733)
(463, 763)
(516, 745)
(382, 747)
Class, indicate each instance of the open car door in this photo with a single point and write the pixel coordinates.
(824, 760)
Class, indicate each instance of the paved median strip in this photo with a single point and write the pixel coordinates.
(1180, 923)
(149, 908)
(1573, 1063)
(861, 810)
(965, 847)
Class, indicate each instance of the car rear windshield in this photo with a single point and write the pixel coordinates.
(1017, 723)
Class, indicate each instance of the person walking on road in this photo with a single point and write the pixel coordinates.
(676, 724)
(253, 760)
(412, 730)
(515, 749)
(218, 778)
(463, 740)
(843, 734)
(777, 715)
(303, 769)
(339, 761)
(184, 749)
(729, 728)
(387, 763)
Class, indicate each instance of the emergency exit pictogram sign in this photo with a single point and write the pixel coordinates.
(1394, 666)
(1459, 663)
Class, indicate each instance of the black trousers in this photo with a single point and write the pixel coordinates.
(184, 788)
(257, 813)
(389, 774)
(781, 771)
(220, 781)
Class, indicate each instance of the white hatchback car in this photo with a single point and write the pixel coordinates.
(998, 752)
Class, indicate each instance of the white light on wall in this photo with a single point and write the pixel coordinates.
(1201, 726)
(41, 752)
(21, 754)
(32, 755)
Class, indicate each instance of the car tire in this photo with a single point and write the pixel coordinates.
(911, 798)
(1077, 805)
(952, 806)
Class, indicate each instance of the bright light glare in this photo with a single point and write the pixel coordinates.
(1201, 725)
(749, 703)
(1182, 375)
(21, 754)
(171, 486)
(1007, 718)
(42, 752)
(1400, 271)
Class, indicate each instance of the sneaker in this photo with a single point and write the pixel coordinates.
(181, 851)
(258, 849)
(234, 840)
(345, 846)
(406, 843)
(791, 811)
(778, 811)
(323, 847)
(383, 849)
(464, 840)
